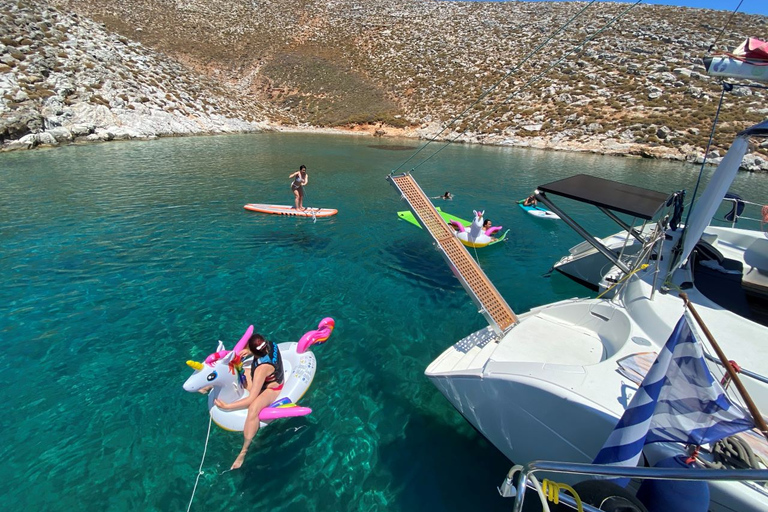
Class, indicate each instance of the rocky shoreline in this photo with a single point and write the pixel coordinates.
(65, 78)
(153, 128)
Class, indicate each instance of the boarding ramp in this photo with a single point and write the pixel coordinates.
(485, 296)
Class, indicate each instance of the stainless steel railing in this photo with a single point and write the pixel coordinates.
(517, 489)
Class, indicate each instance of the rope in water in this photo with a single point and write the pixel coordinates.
(200, 469)
(494, 86)
(536, 78)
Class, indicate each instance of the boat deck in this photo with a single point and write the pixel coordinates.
(492, 305)
(547, 339)
(755, 277)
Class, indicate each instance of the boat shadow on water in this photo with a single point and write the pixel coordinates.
(426, 464)
(436, 475)
(420, 263)
(278, 238)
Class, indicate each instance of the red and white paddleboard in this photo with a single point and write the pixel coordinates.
(277, 209)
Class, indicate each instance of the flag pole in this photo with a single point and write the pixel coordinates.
(754, 411)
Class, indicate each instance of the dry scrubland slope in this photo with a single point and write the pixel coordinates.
(64, 76)
(638, 87)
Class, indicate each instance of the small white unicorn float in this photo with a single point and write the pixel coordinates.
(477, 236)
(224, 371)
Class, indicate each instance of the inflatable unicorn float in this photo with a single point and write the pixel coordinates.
(476, 236)
(224, 371)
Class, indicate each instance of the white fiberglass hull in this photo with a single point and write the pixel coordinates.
(538, 423)
(550, 389)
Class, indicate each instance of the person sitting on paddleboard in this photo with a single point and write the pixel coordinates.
(264, 383)
(300, 178)
(530, 201)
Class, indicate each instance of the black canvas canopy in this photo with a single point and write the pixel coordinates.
(612, 195)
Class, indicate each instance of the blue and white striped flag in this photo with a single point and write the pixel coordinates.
(678, 401)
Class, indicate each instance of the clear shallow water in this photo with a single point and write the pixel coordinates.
(121, 261)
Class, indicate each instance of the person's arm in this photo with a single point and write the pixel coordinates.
(293, 175)
(259, 376)
(306, 179)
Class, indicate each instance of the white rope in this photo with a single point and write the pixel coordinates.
(200, 469)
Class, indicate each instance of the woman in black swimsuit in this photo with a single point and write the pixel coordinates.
(264, 383)
(300, 178)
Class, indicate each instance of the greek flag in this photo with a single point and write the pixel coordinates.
(678, 401)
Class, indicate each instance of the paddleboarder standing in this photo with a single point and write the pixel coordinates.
(300, 179)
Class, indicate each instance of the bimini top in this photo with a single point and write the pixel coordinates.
(612, 195)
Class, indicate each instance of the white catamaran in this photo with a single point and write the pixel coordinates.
(552, 384)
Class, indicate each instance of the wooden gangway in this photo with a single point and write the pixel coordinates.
(487, 298)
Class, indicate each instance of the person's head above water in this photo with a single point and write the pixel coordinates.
(257, 345)
(303, 168)
(487, 224)
(447, 194)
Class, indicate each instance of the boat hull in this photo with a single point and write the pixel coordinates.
(533, 424)
(538, 421)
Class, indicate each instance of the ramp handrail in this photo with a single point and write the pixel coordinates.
(487, 298)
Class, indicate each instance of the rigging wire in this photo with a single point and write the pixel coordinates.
(714, 43)
(726, 87)
(536, 78)
(494, 86)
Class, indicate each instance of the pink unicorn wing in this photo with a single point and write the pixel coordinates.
(493, 230)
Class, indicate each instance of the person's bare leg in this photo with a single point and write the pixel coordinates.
(252, 422)
(301, 199)
(296, 199)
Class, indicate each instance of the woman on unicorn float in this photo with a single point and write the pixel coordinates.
(264, 383)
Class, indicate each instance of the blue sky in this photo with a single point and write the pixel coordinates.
(747, 6)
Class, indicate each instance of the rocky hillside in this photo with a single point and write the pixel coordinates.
(408, 65)
(64, 76)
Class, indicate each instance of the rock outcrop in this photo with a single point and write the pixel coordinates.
(64, 78)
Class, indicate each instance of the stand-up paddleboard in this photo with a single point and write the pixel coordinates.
(277, 209)
(539, 211)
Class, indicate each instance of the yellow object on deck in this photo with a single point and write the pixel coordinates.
(492, 305)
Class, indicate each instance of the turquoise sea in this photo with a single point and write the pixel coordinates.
(120, 261)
